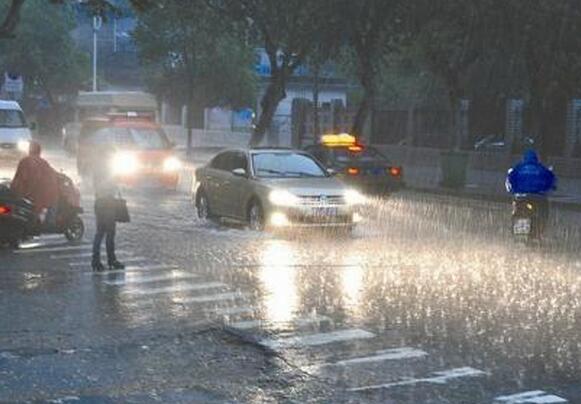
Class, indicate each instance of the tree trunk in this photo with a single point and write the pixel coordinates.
(275, 93)
(316, 123)
(11, 20)
(366, 106)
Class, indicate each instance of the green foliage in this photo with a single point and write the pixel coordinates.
(43, 51)
(190, 54)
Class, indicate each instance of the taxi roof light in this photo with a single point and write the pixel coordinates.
(342, 139)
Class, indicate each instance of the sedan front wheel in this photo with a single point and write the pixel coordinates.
(256, 220)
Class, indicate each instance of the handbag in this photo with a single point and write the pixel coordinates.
(121, 211)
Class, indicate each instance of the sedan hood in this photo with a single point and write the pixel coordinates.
(307, 186)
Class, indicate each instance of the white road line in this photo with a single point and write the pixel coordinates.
(317, 339)
(133, 269)
(88, 264)
(531, 397)
(168, 276)
(175, 289)
(211, 298)
(56, 248)
(299, 322)
(232, 311)
(83, 255)
(438, 378)
(396, 354)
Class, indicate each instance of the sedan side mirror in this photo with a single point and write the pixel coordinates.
(332, 172)
(239, 172)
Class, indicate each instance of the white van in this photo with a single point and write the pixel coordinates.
(15, 134)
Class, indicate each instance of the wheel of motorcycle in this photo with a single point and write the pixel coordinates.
(76, 230)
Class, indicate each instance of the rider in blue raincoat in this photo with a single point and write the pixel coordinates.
(530, 177)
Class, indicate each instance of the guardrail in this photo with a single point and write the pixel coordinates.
(486, 161)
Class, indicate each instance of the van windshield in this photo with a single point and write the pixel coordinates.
(139, 138)
(12, 118)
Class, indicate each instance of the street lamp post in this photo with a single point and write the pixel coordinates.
(97, 23)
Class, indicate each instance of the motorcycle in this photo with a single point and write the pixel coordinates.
(19, 223)
(529, 217)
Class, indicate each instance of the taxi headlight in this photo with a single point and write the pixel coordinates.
(172, 164)
(23, 146)
(124, 163)
(283, 198)
(353, 197)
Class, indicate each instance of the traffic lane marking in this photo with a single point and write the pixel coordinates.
(531, 397)
(439, 378)
(317, 339)
(211, 298)
(175, 289)
(396, 354)
(138, 280)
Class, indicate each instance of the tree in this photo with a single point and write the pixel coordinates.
(43, 52)
(192, 56)
(375, 28)
(288, 30)
(12, 11)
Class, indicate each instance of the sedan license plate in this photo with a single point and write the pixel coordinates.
(522, 226)
(323, 212)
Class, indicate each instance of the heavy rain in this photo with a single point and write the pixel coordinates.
(290, 201)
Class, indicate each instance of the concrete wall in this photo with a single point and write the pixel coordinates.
(207, 138)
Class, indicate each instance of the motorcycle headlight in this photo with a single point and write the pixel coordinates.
(172, 164)
(353, 197)
(23, 146)
(124, 163)
(283, 198)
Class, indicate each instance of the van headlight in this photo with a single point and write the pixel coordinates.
(353, 197)
(124, 163)
(172, 164)
(283, 198)
(23, 146)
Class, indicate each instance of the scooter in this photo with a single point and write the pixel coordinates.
(19, 223)
(529, 217)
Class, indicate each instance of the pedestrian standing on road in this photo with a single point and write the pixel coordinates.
(106, 192)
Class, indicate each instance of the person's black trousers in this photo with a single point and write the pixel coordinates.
(106, 228)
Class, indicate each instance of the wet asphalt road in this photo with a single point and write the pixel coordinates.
(428, 302)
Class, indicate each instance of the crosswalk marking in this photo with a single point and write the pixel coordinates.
(56, 248)
(88, 264)
(438, 378)
(133, 269)
(168, 276)
(211, 298)
(232, 311)
(82, 255)
(299, 322)
(379, 356)
(175, 289)
(531, 397)
(317, 339)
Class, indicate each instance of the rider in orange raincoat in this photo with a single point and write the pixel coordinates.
(36, 180)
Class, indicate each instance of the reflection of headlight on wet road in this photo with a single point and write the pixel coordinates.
(23, 146)
(283, 198)
(124, 164)
(353, 197)
(172, 164)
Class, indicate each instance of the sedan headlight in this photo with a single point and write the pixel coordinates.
(172, 164)
(353, 197)
(283, 198)
(23, 146)
(124, 163)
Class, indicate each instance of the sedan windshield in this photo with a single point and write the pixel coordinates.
(286, 165)
(11, 118)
